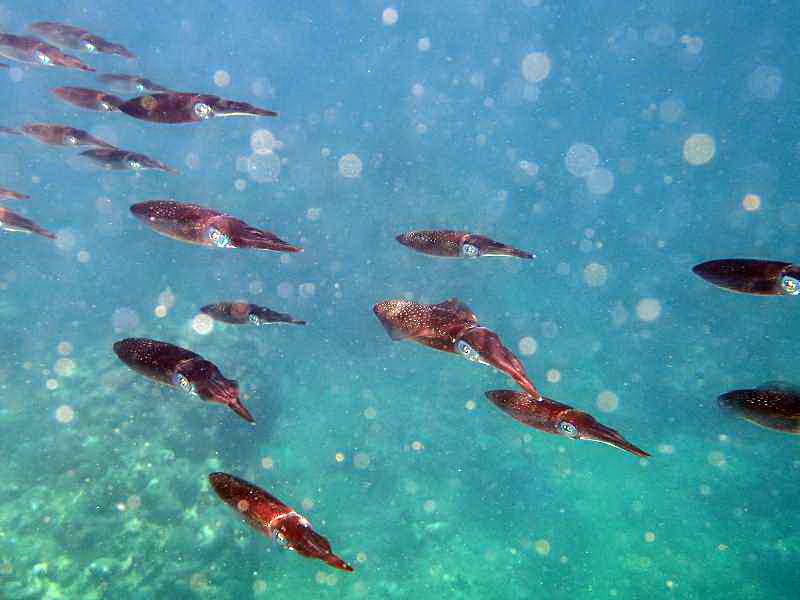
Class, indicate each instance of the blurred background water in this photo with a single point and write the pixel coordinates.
(621, 142)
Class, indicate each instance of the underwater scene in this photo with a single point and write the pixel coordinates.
(399, 300)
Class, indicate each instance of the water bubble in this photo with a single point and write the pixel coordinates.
(600, 181)
(648, 309)
(542, 547)
(699, 148)
(65, 414)
(262, 141)
(202, 324)
(765, 82)
(527, 345)
(264, 168)
(124, 319)
(222, 78)
(670, 110)
(535, 67)
(350, 166)
(581, 159)
(361, 460)
(553, 375)
(751, 202)
(595, 274)
(607, 401)
(424, 44)
(390, 16)
(65, 367)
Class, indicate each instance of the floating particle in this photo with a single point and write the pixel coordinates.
(527, 345)
(542, 547)
(239, 184)
(312, 214)
(134, 502)
(361, 557)
(51, 384)
(535, 67)
(192, 160)
(549, 329)
(64, 348)
(285, 289)
(429, 506)
(65, 414)
(553, 375)
(370, 413)
(418, 90)
(262, 141)
(361, 460)
(339, 457)
(202, 324)
(665, 449)
(765, 82)
(424, 44)
(649, 537)
(350, 166)
(259, 586)
(160, 311)
(595, 274)
(600, 181)
(389, 16)
(531, 169)
(65, 367)
(417, 446)
(662, 35)
(222, 78)
(124, 319)
(670, 110)
(705, 490)
(65, 239)
(693, 43)
(307, 503)
(581, 159)
(470, 405)
(267, 462)
(84, 256)
(264, 168)
(717, 459)
(751, 202)
(607, 401)
(648, 309)
(306, 290)
(699, 149)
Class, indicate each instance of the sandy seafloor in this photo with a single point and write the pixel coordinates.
(620, 142)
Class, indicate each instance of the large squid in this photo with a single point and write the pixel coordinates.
(451, 326)
(550, 416)
(268, 515)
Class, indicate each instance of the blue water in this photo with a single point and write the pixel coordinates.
(390, 448)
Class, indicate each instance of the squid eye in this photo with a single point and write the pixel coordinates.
(467, 351)
(219, 239)
(253, 318)
(790, 285)
(203, 110)
(43, 58)
(280, 539)
(71, 140)
(105, 106)
(89, 47)
(139, 87)
(134, 164)
(470, 251)
(182, 382)
(568, 428)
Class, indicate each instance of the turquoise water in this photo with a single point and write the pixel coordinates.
(461, 115)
